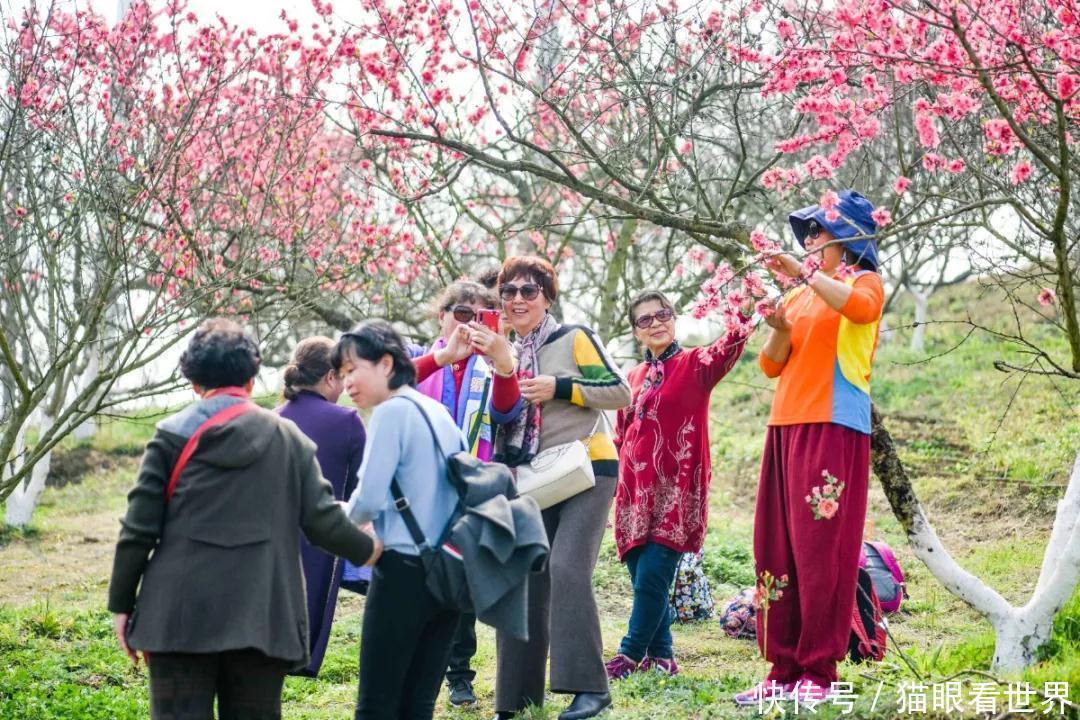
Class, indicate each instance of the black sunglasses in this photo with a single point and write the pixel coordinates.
(813, 230)
(529, 291)
(462, 313)
(645, 321)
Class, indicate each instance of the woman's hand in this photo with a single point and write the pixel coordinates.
(457, 347)
(494, 346)
(783, 264)
(376, 551)
(120, 625)
(777, 320)
(537, 389)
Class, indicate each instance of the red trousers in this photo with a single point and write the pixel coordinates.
(809, 625)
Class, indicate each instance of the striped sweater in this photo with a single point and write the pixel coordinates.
(587, 381)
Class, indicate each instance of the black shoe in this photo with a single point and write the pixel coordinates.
(586, 705)
(503, 715)
(461, 692)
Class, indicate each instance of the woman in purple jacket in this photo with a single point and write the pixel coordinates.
(312, 389)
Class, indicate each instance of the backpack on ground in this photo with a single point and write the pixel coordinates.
(867, 641)
(739, 619)
(880, 562)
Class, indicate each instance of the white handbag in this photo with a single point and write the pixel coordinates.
(558, 473)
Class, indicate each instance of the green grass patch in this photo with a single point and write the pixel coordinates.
(988, 455)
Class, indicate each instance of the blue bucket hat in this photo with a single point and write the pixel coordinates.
(854, 221)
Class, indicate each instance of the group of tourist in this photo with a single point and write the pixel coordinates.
(234, 506)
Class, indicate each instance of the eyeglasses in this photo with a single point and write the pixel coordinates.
(529, 291)
(645, 321)
(813, 230)
(462, 313)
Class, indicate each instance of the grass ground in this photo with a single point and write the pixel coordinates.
(989, 454)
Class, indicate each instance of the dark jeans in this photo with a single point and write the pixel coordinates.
(462, 650)
(247, 685)
(652, 571)
(404, 644)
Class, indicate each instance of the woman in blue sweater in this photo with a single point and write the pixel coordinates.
(406, 635)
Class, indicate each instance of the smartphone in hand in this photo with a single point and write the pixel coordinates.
(490, 318)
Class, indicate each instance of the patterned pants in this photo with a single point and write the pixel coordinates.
(247, 685)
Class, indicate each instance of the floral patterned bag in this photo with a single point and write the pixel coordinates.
(691, 598)
(739, 619)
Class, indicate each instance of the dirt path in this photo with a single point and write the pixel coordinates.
(68, 560)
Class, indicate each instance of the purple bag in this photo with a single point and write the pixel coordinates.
(878, 560)
(354, 578)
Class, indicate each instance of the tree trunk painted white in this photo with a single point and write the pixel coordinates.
(24, 498)
(922, 314)
(88, 428)
(16, 462)
(1019, 632)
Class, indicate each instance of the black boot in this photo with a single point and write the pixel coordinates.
(504, 715)
(586, 705)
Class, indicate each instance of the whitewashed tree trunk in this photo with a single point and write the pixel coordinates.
(1019, 632)
(922, 315)
(15, 463)
(88, 428)
(24, 499)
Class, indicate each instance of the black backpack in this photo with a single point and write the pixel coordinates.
(443, 564)
(867, 641)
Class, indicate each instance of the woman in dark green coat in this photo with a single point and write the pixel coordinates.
(207, 579)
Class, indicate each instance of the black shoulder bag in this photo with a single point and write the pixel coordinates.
(444, 567)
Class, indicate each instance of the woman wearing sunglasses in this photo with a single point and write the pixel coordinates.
(662, 501)
(811, 501)
(451, 373)
(565, 380)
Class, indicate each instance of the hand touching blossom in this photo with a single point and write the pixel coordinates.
(776, 318)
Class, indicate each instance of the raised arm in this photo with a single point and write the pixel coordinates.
(774, 356)
(716, 360)
(865, 299)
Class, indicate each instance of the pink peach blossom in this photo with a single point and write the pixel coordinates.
(882, 217)
(1020, 172)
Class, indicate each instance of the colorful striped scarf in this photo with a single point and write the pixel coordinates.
(469, 406)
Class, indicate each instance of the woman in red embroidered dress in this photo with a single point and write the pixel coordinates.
(661, 502)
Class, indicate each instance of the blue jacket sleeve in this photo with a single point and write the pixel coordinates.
(372, 495)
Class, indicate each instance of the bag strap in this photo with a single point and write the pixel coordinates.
(601, 420)
(401, 503)
(219, 418)
(427, 420)
(402, 506)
